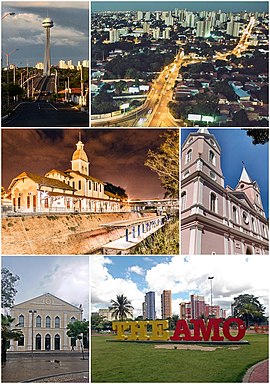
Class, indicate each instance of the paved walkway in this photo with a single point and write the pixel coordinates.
(258, 373)
(68, 367)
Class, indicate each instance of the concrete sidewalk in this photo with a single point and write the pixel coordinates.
(32, 368)
(258, 373)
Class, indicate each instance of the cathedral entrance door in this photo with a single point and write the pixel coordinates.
(47, 342)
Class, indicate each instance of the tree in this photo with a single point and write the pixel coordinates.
(8, 290)
(240, 119)
(7, 334)
(79, 330)
(165, 163)
(172, 321)
(259, 136)
(121, 307)
(248, 308)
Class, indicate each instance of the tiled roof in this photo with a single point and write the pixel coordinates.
(42, 181)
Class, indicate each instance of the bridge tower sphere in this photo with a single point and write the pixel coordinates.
(47, 23)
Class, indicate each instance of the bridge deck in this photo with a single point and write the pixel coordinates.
(123, 245)
(130, 223)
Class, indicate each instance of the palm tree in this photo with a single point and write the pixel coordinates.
(7, 333)
(121, 307)
(248, 311)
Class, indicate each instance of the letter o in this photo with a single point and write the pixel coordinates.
(241, 329)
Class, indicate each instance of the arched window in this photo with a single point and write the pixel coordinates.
(38, 342)
(38, 321)
(212, 157)
(57, 322)
(249, 251)
(253, 224)
(57, 342)
(79, 184)
(189, 156)
(72, 319)
(89, 184)
(48, 322)
(213, 202)
(235, 214)
(21, 321)
(245, 217)
(47, 342)
(21, 341)
(183, 200)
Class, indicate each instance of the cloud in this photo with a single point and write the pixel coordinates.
(232, 277)
(69, 280)
(136, 269)
(104, 287)
(52, 4)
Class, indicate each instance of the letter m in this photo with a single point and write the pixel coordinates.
(201, 328)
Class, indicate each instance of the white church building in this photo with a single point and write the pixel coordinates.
(72, 190)
(216, 219)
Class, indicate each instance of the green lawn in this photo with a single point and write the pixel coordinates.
(131, 362)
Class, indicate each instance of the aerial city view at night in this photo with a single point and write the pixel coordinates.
(174, 64)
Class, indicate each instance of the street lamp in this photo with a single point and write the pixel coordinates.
(33, 313)
(8, 14)
(211, 285)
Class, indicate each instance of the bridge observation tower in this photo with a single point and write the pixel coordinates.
(47, 24)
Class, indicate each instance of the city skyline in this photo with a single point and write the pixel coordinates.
(196, 6)
(183, 275)
(51, 274)
(236, 148)
(69, 38)
(115, 156)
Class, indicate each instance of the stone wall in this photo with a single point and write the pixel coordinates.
(60, 234)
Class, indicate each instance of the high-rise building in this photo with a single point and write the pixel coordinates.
(233, 28)
(166, 33)
(166, 304)
(147, 16)
(146, 27)
(185, 310)
(190, 19)
(215, 219)
(150, 306)
(139, 15)
(114, 35)
(203, 28)
(156, 33)
(62, 64)
(197, 306)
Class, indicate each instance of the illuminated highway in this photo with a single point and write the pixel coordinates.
(154, 112)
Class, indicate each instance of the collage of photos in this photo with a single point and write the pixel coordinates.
(134, 191)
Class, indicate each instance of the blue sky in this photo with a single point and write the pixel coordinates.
(236, 147)
(134, 276)
(226, 6)
(66, 277)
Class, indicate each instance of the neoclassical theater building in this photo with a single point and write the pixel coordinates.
(217, 219)
(72, 190)
(43, 321)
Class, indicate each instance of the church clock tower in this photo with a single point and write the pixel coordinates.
(80, 160)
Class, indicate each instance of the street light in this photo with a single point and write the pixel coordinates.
(8, 14)
(211, 285)
(33, 312)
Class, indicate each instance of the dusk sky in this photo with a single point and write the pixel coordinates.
(236, 147)
(24, 31)
(196, 6)
(66, 277)
(134, 276)
(115, 155)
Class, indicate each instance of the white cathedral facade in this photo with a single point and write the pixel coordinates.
(216, 219)
(72, 190)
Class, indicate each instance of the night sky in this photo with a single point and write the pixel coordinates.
(236, 147)
(115, 155)
(196, 6)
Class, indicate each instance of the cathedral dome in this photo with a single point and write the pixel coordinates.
(80, 154)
